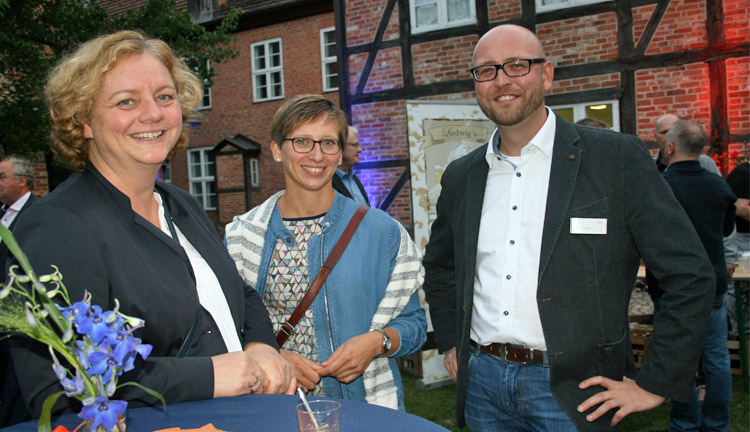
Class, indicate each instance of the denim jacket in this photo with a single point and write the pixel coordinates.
(346, 303)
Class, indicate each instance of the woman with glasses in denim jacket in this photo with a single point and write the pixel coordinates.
(367, 312)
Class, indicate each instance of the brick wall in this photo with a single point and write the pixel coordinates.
(736, 22)
(681, 90)
(41, 180)
(580, 40)
(682, 27)
(738, 91)
(382, 134)
(503, 10)
(592, 82)
(443, 60)
(363, 18)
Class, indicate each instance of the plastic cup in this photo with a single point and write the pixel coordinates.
(326, 413)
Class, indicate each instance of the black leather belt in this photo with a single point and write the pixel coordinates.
(511, 353)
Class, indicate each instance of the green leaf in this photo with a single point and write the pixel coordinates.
(153, 393)
(44, 419)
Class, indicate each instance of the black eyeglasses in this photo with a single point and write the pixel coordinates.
(306, 145)
(513, 68)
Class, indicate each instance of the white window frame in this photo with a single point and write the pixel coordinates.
(207, 96)
(442, 6)
(205, 179)
(267, 72)
(564, 4)
(254, 173)
(579, 111)
(327, 60)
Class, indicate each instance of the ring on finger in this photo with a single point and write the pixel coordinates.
(255, 386)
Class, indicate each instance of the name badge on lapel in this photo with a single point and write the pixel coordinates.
(588, 225)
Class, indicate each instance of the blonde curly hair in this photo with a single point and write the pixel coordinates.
(74, 82)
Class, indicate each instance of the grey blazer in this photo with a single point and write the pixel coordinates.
(585, 281)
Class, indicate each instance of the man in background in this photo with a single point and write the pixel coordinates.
(709, 203)
(661, 127)
(345, 181)
(588, 121)
(739, 181)
(16, 184)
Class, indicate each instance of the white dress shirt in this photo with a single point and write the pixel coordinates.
(510, 242)
(210, 294)
(12, 211)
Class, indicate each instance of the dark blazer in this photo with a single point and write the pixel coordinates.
(87, 228)
(12, 409)
(340, 187)
(585, 281)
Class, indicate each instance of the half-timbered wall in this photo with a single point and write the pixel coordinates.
(688, 57)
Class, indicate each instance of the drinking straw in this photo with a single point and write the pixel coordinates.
(307, 407)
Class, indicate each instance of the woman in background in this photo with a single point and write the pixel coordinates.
(119, 106)
(368, 312)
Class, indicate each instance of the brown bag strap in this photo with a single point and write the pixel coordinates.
(288, 328)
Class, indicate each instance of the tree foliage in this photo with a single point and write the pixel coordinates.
(35, 34)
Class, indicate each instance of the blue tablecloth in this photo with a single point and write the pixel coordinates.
(254, 413)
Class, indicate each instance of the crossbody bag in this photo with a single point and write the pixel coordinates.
(289, 327)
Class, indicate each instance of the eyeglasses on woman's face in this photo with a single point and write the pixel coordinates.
(306, 145)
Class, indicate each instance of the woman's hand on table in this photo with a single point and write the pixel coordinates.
(236, 374)
(306, 369)
(351, 358)
(279, 372)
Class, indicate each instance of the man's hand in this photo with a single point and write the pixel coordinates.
(730, 269)
(305, 369)
(351, 358)
(279, 372)
(451, 363)
(624, 395)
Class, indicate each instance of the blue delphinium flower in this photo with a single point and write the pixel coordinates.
(126, 347)
(103, 412)
(95, 324)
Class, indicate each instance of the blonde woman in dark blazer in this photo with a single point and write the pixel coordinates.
(118, 107)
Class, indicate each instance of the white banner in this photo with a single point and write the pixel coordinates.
(439, 133)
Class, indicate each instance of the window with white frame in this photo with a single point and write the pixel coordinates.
(206, 101)
(550, 5)
(606, 111)
(254, 173)
(328, 59)
(268, 74)
(201, 174)
(429, 15)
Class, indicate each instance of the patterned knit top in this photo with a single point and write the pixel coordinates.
(287, 283)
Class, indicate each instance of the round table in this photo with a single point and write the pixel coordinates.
(254, 413)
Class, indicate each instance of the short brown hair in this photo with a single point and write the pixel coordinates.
(305, 109)
(689, 137)
(74, 82)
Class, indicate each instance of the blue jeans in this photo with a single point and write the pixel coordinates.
(503, 396)
(714, 414)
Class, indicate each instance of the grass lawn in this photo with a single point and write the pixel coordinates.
(437, 405)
